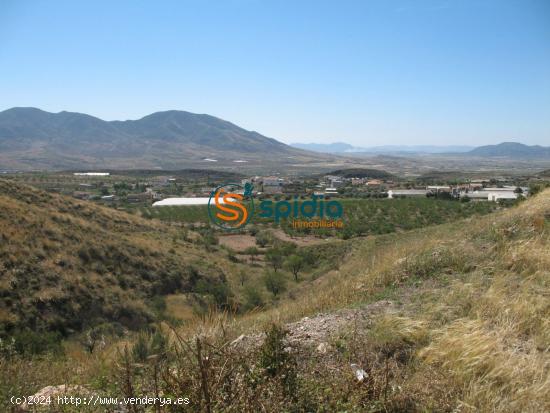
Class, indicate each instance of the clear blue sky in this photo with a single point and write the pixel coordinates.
(365, 72)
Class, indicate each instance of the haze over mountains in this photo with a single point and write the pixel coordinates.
(513, 150)
(341, 147)
(31, 138)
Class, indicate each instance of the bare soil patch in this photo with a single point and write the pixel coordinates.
(237, 242)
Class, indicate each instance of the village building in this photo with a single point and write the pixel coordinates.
(143, 197)
(437, 189)
(82, 195)
(496, 196)
(154, 194)
(272, 185)
(406, 193)
(374, 183)
(475, 195)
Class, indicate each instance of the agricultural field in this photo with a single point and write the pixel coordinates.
(382, 216)
(361, 216)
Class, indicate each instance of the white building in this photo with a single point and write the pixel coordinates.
(498, 195)
(476, 195)
(331, 191)
(437, 189)
(495, 194)
(503, 189)
(183, 201)
(272, 185)
(91, 174)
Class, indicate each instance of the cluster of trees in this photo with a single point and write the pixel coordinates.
(275, 280)
(283, 257)
(284, 261)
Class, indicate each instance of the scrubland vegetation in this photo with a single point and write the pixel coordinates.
(67, 266)
(461, 321)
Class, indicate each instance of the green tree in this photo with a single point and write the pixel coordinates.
(275, 282)
(219, 290)
(275, 258)
(253, 298)
(294, 264)
(253, 252)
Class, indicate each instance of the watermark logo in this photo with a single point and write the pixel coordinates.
(313, 213)
(231, 206)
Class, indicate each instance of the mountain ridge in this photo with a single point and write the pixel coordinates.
(512, 150)
(33, 137)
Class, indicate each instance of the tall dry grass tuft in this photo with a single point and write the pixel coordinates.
(496, 374)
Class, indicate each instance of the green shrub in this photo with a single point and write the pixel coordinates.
(275, 258)
(148, 344)
(218, 289)
(140, 349)
(275, 282)
(28, 342)
(253, 298)
(276, 361)
(264, 238)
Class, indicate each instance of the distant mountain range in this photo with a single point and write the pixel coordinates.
(341, 147)
(336, 147)
(512, 150)
(33, 138)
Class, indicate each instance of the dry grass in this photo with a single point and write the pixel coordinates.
(67, 265)
(479, 288)
(472, 333)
